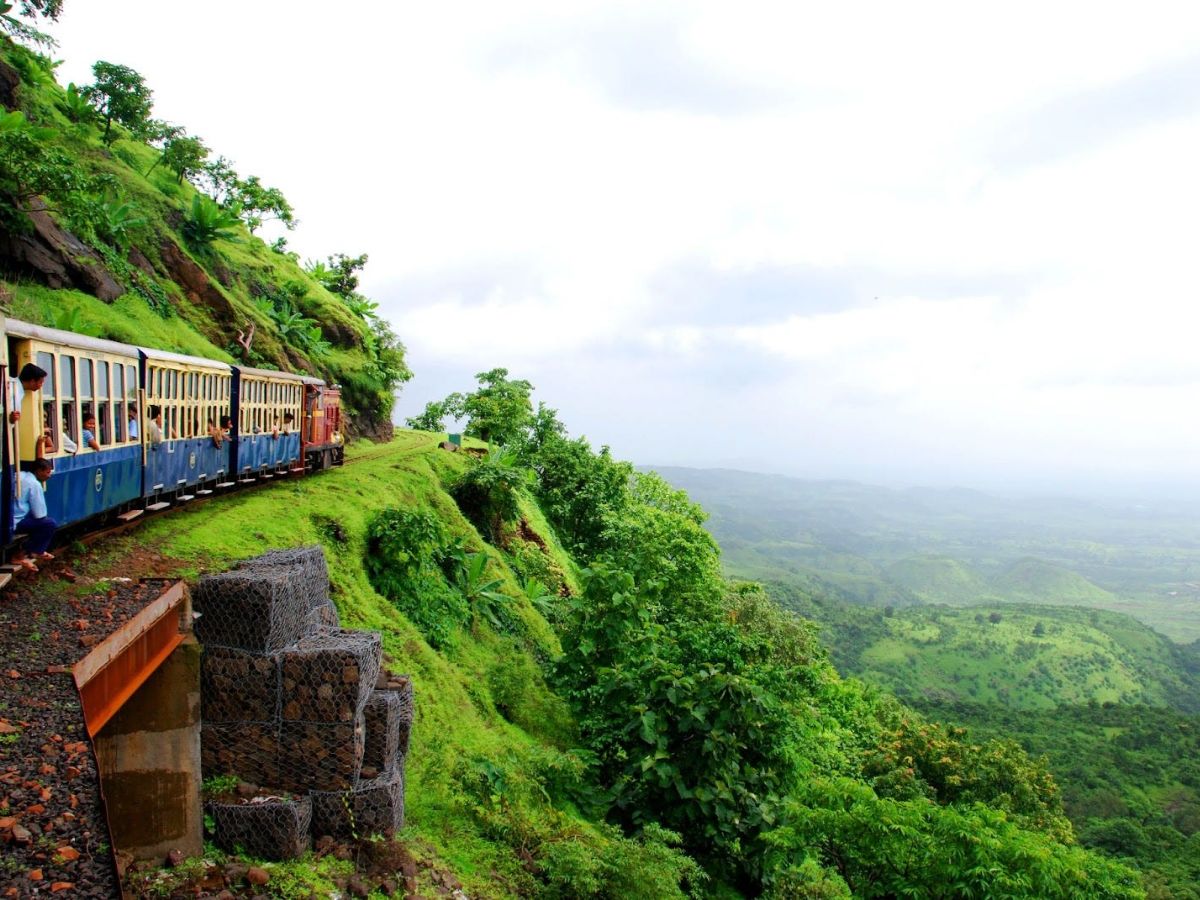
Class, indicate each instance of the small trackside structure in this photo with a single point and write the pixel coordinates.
(297, 708)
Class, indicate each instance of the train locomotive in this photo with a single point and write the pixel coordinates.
(277, 425)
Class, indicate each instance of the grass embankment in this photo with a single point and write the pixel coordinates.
(458, 726)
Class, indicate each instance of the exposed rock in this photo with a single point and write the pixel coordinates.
(138, 258)
(197, 286)
(369, 427)
(56, 258)
(258, 876)
(10, 80)
(224, 275)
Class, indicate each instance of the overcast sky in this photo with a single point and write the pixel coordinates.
(897, 242)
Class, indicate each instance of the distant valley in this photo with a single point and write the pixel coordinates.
(906, 547)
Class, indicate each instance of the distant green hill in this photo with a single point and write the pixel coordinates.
(1025, 656)
(1037, 581)
(898, 547)
(940, 579)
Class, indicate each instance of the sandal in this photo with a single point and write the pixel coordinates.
(27, 564)
(44, 557)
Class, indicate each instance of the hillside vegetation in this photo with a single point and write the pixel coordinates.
(132, 230)
(638, 727)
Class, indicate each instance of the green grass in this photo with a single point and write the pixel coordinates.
(960, 655)
(457, 722)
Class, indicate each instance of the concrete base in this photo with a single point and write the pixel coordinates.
(149, 758)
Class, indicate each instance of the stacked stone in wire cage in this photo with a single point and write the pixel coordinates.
(270, 827)
(310, 560)
(376, 803)
(325, 682)
(288, 703)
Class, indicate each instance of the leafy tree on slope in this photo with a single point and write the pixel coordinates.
(120, 95)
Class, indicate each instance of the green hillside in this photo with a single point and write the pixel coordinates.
(1023, 656)
(1038, 581)
(940, 579)
(113, 239)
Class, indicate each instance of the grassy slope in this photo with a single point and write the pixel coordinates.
(237, 269)
(940, 579)
(456, 719)
(1082, 656)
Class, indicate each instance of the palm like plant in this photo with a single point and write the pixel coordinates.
(473, 582)
(207, 221)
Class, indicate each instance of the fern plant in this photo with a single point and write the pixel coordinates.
(118, 220)
(208, 221)
(77, 107)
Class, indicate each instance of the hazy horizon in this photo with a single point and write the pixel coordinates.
(845, 243)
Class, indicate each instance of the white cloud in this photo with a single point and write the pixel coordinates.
(603, 144)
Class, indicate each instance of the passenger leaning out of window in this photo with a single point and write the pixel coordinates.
(133, 422)
(31, 517)
(30, 378)
(89, 432)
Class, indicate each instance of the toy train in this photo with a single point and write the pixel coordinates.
(219, 425)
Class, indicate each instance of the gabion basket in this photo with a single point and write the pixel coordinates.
(374, 807)
(272, 828)
(260, 611)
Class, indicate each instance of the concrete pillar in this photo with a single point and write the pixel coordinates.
(149, 759)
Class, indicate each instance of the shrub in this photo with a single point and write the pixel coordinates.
(405, 552)
(206, 221)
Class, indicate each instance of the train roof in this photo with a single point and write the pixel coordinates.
(181, 359)
(309, 379)
(270, 373)
(68, 338)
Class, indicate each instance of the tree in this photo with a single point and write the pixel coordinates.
(339, 273)
(182, 153)
(30, 9)
(501, 409)
(1039, 630)
(260, 203)
(120, 95)
(433, 416)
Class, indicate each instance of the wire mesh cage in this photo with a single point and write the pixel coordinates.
(249, 750)
(257, 610)
(294, 703)
(313, 584)
(327, 677)
(269, 827)
(324, 756)
(373, 807)
(236, 686)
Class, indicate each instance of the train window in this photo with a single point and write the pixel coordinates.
(120, 422)
(130, 383)
(50, 423)
(86, 380)
(103, 410)
(66, 371)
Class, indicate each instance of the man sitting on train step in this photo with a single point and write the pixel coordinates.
(30, 516)
(30, 378)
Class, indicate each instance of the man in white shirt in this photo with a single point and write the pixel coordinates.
(30, 516)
